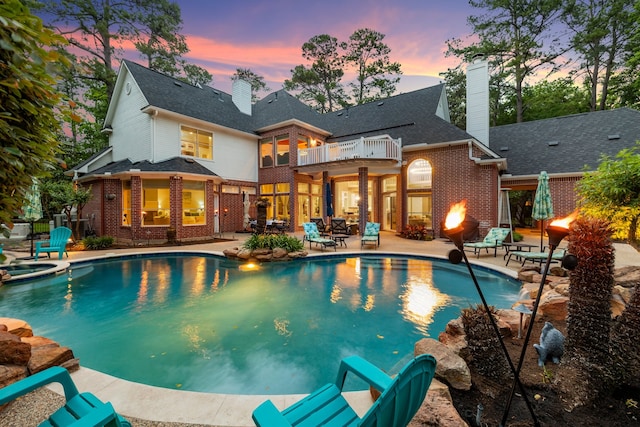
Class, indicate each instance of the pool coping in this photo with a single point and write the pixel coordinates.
(160, 404)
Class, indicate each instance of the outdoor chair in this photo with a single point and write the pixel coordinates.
(536, 256)
(57, 243)
(323, 228)
(371, 235)
(339, 226)
(401, 398)
(493, 239)
(312, 235)
(80, 409)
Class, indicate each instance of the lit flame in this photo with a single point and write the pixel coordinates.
(456, 215)
(564, 222)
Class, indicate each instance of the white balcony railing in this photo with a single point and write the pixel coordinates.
(364, 148)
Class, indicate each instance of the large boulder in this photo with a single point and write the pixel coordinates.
(17, 327)
(45, 357)
(450, 368)
(437, 409)
(554, 305)
(11, 373)
(13, 351)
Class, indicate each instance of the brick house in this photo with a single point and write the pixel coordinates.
(185, 157)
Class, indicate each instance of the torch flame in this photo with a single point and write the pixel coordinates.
(564, 222)
(456, 215)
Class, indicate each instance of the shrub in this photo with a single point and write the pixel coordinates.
(517, 237)
(417, 232)
(95, 243)
(271, 241)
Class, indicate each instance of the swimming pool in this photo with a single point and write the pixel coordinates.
(205, 323)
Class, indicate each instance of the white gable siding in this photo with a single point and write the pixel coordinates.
(166, 132)
(234, 157)
(131, 137)
(442, 110)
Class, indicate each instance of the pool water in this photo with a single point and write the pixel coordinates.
(205, 323)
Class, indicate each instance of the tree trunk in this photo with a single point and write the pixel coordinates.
(589, 314)
(625, 345)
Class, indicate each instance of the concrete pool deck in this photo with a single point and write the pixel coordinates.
(165, 405)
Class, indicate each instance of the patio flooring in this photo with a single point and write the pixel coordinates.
(165, 405)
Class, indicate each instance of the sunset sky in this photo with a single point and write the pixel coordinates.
(267, 36)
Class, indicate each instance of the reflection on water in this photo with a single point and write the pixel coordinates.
(200, 323)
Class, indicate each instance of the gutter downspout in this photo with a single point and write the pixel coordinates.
(153, 135)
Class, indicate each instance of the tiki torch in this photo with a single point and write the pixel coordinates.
(557, 230)
(454, 230)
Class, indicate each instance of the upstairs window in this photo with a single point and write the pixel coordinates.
(274, 151)
(282, 147)
(196, 143)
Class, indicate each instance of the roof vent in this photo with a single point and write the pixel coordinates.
(613, 136)
(189, 160)
(504, 148)
(380, 104)
(215, 92)
(177, 84)
(339, 114)
(553, 143)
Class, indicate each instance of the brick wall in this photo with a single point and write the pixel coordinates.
(455, 177)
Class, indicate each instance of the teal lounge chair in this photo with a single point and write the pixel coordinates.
(80, 409)
(493, 239)
(536, 256)
(401, 398)
(323, 228)
(57, 243)
(371, 235)
(312, 235)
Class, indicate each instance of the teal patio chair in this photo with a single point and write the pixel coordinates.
(493, 239)
(534, 257)
(371, 235)
(323, 228)
(80, 409)
(312, 235)
(401, 398)
(57, 243)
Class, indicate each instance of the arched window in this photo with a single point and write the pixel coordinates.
(419, 206)
(419, 175)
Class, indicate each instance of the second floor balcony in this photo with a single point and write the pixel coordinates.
(380, 148)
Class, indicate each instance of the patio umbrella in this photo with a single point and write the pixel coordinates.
(542, 206)
(328, 200)
(32, 210)
(245, 203)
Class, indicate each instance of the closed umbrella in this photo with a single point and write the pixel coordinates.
(32, 210)
(328, 200)
(542, 205)
(245, 203)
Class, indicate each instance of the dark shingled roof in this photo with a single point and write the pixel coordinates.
(281, 106)
(565, 144)
(203, 103)
(410, 116)
(173, 165)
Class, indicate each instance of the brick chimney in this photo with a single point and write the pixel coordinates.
(241, 96)
(478, 99)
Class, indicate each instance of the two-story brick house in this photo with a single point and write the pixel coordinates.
(184, 157)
